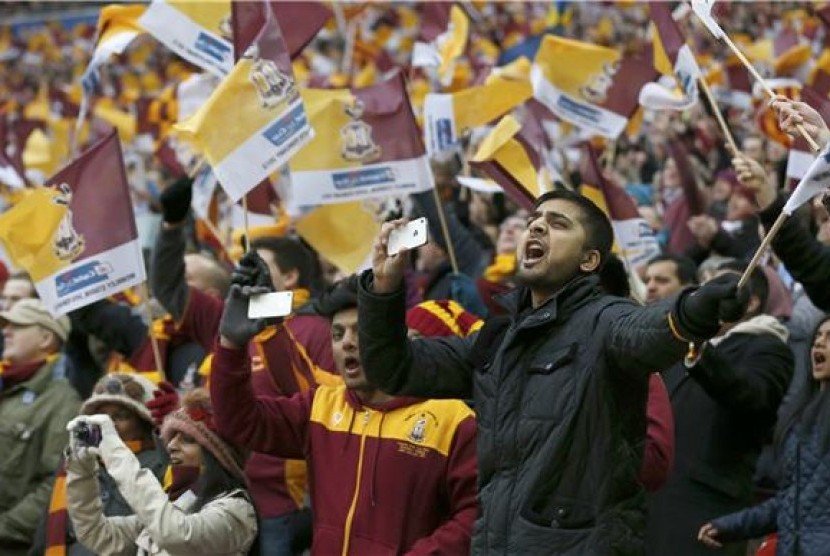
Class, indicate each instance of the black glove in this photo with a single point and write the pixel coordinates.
(175, 200)
(235, 325)
(252, 271)
(718, 300)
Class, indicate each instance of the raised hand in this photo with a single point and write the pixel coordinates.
(388, 270)
(752, 175)
(791, 114)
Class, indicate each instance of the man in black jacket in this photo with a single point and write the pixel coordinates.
(559, 385)
(724, 406)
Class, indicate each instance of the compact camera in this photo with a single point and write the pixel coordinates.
(88, 435)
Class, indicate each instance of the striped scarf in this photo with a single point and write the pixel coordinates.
(58, 519)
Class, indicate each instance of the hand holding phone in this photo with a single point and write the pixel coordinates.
(413, 235)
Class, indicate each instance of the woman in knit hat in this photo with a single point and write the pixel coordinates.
(206, 511)
(124, 397)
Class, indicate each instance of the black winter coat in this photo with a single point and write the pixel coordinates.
(560, 394)
(800, 512)
(724, 412)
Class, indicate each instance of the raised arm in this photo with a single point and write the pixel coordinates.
(437, 368)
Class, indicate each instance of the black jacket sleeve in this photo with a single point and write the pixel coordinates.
(752, 385)
(750, 523)
(429, 368)
(167, 271)
(112, 323)
(804, 256)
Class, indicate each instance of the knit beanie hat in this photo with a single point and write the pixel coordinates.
(130, 390)
(195, 419)
(442, 317)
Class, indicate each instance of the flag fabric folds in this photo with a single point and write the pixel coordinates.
(447, 116)
(815, 181)
(299, 22)
(342, 233)
(444, 33)
(634, 238)
(588, 85)
(86, 247)
(508, 158)
(255, 120)
(366, 145)
(197, 31)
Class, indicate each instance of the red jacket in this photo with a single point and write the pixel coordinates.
(658, 456)
(399, 477)
(282, 366)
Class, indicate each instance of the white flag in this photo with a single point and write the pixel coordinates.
(816, 180)
(703, 10)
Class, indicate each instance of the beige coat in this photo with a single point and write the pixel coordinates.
(224, 526)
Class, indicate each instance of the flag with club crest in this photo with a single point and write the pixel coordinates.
(299, 22)
(672, 57)
(117, 27)
(81, 244)
(254, 121)
(199, 32)
(634, 239)
(448, 116)
(591, 86)
(366, 145)
(507, 157)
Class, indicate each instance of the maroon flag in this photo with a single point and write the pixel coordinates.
(261, 198)
(97, 239)
(435, 18)
(298, 21)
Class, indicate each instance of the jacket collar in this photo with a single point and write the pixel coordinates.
(395, 403)
(580, 289)
(40, 381)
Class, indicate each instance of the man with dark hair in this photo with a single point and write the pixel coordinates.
(666, 275)
(391, 475)
(725, 403)
(559, 385)
(277, 485)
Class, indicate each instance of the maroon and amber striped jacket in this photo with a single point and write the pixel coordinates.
(387, 479)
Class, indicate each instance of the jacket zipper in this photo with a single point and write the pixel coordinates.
(347, 529)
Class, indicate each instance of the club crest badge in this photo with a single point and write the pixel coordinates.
(418, 431)
(596, 89)
(356, 143)
(67, 243)
(272, 84)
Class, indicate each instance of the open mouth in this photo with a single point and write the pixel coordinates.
(533, 253)
(351, 365)
(819, 358)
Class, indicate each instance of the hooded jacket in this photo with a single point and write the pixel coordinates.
(399, 477)
(560, 395)
(725, 407)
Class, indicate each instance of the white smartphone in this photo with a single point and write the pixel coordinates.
(413, 235)
(272, 304)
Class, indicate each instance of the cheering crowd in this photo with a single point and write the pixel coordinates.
(512, 386)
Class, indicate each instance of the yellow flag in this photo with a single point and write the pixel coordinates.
(27, 231)
(343, 234)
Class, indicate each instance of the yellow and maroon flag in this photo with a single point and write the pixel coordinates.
(591, 86)
(508, 158)
(299, 22)
(448, 116)
(254, 121)
(634, 238)
(445, 29)
(199, 32)
(366, 145)
(86, 246)
(672, 57)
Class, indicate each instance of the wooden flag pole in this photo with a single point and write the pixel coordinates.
(247, 245)
(718, 116)
(145, 293)
(442, 219)
(810, 141)
(756, 258)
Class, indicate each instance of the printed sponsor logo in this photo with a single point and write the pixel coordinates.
(82, 276)
(355, 179)
(287, 126)
(443, 133)
(579, 109)
(211, 46)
